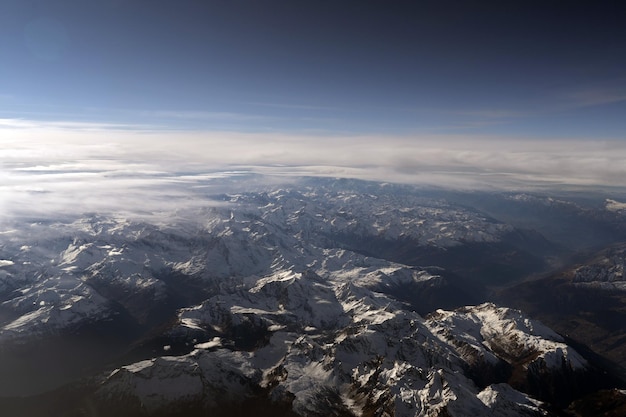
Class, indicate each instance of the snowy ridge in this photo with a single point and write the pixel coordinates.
(489, 333)
(330, 344)
(163, 383)
(606, 272)
(616, 206)
(504, 401)
(338, 211)
(51, 305)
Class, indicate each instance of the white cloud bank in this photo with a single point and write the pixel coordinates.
(57, 167)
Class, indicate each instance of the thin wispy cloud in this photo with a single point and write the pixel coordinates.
(206, 115)
(490, 114)
(597, 97)
(602, 93)
(297, 106)
(528, 110)
(21, 123)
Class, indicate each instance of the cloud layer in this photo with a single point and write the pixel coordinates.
(65, 167)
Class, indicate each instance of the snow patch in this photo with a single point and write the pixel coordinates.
(613, 205)
(215, 342)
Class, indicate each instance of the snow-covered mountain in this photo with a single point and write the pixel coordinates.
(59, 273)
(304, 299)
(606, 271)
(330, 346)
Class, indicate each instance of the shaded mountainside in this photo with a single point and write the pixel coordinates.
(586, 303)
(605, 403)
(514, 256)
(576, 221)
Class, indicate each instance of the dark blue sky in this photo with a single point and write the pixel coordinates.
(510, 68)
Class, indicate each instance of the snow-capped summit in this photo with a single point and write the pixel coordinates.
(331, 346)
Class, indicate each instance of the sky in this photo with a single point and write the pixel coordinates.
(409, 91)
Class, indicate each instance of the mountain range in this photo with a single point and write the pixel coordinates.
(319, 297)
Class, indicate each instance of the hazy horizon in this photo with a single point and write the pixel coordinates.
(113, 99)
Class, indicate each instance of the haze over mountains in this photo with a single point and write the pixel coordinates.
(289, 291)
